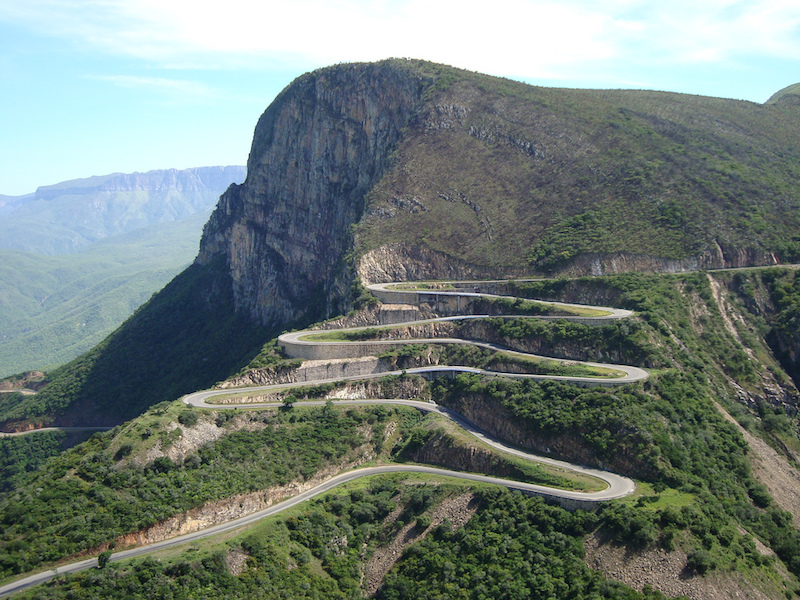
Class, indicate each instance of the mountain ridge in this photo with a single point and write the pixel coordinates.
(211, 176)
(72, 215)
(82, 255)
(406, 169)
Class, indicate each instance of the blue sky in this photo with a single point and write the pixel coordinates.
(90, 87)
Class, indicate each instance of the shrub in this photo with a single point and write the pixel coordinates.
(759, 495)
(188, 418)
(124, 450)
(700, 562)
(423, 521)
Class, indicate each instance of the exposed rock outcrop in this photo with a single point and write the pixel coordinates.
(405, 262)
(719, 258)
(404, 170)
(317, 150)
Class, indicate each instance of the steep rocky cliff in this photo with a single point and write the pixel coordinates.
(407, 170)
(317, 151)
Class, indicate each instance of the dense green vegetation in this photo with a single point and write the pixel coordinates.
(772, 299)
(621, 427)
(484, 358)
(626, 342)
(96, 492)
(20, 455)
(518, 306)
(700, 497)
(104, 488)
(785, 332)
(434, 441)
(682, 327)
(55, 307)
(680, 322)
(667, 431)
(515, 547)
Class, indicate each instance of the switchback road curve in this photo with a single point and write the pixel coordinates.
(294, 345)
(298, 344)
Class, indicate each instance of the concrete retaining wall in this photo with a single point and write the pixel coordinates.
(567, 503)
(334, 370)
(390, 314)
(334, 350)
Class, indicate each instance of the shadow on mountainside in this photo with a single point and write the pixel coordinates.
(187, 337)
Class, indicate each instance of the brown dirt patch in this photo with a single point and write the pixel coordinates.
(458, 509)
(236, 562)
(664, 571)
(773, 470)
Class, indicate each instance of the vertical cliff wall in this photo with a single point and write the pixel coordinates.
(317, 150)
(475, 176)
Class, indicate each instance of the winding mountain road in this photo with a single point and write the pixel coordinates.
(45, 429)
(297, 344)
(307, 345)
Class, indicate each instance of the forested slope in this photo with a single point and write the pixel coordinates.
(77, 258)
(698, 495)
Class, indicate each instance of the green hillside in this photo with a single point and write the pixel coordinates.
(788, 95)
(54, 308)
(700, 500)
(170, 346)
(80, 256)
(536, 178)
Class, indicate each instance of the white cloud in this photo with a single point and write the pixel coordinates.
(688, 31)
(525, 38)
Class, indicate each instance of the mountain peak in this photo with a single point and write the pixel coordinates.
(790, 95)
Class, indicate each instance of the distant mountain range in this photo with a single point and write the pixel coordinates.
(80, 256)
(405, 171)
(72, 215)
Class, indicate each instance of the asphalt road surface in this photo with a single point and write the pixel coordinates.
(617, 486)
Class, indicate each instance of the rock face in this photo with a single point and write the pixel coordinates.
(718, 258)
(404, 170)
(403, 262)
(317, 151)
